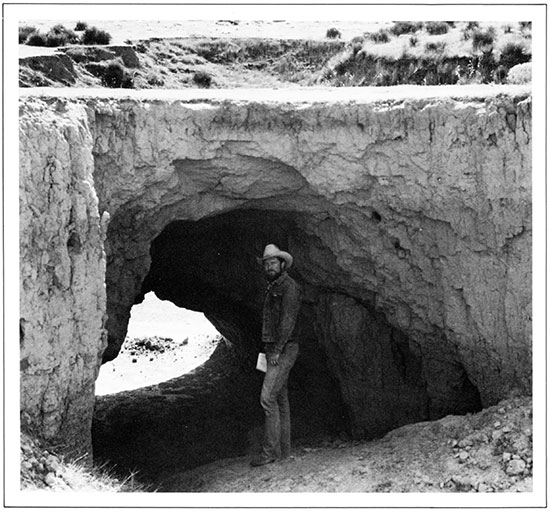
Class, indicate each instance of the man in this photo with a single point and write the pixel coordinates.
(281, 306)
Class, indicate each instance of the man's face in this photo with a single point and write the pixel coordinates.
(273, 268)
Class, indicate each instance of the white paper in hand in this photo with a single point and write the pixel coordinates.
(261, 364)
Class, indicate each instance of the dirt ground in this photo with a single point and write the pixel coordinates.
(490, 451)
(486, 452)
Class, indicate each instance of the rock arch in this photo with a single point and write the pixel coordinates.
(405, 216)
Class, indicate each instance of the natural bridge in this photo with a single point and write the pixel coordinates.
(407, 209)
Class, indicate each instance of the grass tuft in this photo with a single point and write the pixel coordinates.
(513, 54)
(435, 46)
(382, 36)
(114, 75)
(334, 33)
(24, 32)
(405, 27)
(93, 35)
(36, 39)
(482, 40)
(42, 469)
(80, 26)
(437, 27)
(60, 36)
(202, 79)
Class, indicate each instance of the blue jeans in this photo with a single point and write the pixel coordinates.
(274, 401)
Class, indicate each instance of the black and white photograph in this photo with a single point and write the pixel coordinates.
(274, 255)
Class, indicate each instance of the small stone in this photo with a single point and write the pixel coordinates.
(463, 455)
(151, 359)
(454, 443)
(462, 483)
(465, 443)
(515, 467)
(50, 479)
(61, 106)
(497, 434)
(482, 487)
(26, 464)
(502, 410)
(506, 429)
(506, 456)
(53, 464)
(497, 424)
(134, 360)
(516, 456)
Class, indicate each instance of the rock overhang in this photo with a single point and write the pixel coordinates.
(406, 205)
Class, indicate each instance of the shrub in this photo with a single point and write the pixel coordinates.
(435, 46)
(507, 29)
(520, 74)
(413, 41)
(382, 36)
(60, 29)
(435, 28)
(525, 25)
(36, 39)
(513, 54)
(482, 39)
(24, 32)
(95, 36)
(60, 36)
(472, 25)
(202, 79)
(405, 27)
(114, 75)
(333, 33)
(80, 26)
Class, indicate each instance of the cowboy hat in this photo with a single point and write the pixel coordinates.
(272, 251)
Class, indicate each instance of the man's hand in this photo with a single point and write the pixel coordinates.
(273, 359)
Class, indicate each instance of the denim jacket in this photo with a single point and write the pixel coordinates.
(281, 307)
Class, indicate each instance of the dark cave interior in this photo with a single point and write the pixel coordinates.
(356, 374)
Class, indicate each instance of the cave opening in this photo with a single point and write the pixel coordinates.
(357, 375)
(162, 342)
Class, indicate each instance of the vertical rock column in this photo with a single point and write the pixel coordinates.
(62, 302)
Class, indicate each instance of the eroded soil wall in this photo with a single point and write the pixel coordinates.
(409, 214)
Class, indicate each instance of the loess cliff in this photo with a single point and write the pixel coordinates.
(407, 210)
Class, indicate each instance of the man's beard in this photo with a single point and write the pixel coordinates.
(273, 276)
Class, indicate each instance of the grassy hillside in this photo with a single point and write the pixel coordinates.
(420, 53)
